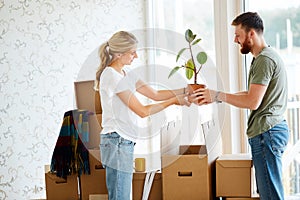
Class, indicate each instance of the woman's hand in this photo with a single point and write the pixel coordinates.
(182, 99)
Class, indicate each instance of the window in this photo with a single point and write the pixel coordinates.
(168, 20)
(285, 37)
(180, 15)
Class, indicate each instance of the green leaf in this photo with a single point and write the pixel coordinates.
(196, 41)
(179, 53)
(189, 73)
(189, 36)
(174, 70)
(190, 64)
(189, 69)
(202, 57)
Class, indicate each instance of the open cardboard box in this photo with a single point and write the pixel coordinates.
(187, 176)
(86, 97)
(89, 99)
(189, 171)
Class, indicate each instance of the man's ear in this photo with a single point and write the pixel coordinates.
(252, 33)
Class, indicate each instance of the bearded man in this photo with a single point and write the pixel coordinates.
(266, 97)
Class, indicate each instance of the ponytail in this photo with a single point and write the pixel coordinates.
(105, 58)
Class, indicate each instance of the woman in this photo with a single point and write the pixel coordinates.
(120, 107)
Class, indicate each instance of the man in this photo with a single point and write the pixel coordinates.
(266, 97)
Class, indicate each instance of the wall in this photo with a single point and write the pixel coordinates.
(43, 45)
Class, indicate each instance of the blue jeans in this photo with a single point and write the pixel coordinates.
(117, 158)
(267, 149)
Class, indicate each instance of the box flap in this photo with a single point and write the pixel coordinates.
(86, 97)
(142, 175)
(54, 178)
(235, 160)
(192, 149)
(239, 156)
(95, 122)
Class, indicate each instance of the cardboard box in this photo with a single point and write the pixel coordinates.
(86, 97)
(138, 186)
(95, 128)
(186, 176)
(191, 149)
(93, 140)
(241, 198)
(94, 183)
(89, 99)
(61, 189)
(234, 175)
(98, 197)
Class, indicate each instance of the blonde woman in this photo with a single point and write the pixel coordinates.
(120, 107)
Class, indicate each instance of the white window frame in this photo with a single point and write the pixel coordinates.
(229, 62)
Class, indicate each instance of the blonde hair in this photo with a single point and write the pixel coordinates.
(119, 43)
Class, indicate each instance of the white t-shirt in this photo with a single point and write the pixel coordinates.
(116, 116)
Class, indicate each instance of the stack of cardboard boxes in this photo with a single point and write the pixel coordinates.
(94, 183)
(189, 175)
(93, 186)
(86, 186)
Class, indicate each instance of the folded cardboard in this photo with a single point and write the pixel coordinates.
(98, 197)
(234, 175)
(86, 97)
(89, 99)
(186, 176)
(138, 186)
(95, 121)
(192, 149)
(61, 189)
(93, 183)
(94, 128)
(242, 198)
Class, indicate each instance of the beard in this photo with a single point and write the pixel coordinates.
(246, 46)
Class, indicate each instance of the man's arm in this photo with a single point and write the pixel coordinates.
(250, 99)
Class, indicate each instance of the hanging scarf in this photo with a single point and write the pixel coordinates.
(70, 154)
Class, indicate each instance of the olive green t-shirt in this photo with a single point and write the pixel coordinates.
(268, 69)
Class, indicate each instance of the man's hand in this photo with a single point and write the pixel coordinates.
(202, 96)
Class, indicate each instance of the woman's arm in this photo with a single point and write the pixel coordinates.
(145, 110)
(157, 95)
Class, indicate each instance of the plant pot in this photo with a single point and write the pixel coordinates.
(193, 87)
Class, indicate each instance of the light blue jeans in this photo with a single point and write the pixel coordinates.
(267, 150)
(117, 158)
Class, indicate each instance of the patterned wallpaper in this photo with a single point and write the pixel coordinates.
(43, 44)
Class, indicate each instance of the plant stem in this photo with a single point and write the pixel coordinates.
(195, 69)
(199, 69)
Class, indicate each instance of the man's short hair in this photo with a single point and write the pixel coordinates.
(249, 20)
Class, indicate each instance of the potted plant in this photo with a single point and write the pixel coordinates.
(191, 69)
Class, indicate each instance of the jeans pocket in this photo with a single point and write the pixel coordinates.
(127, 145)
(279, 140)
